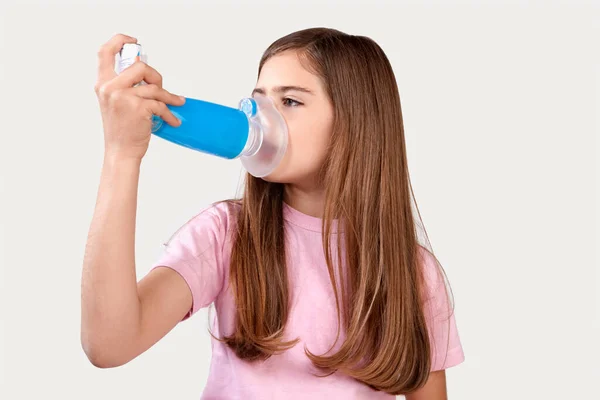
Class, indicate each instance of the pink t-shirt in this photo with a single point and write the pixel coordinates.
(200, 251)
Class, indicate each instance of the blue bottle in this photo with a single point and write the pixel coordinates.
(255, 131)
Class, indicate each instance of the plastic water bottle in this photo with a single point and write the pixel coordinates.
(255, 131)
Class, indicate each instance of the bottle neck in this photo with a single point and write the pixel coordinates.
(255, 139)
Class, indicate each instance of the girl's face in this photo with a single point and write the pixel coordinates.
(301, 99)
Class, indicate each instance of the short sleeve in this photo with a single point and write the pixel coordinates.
(446, 348)
(195, 251)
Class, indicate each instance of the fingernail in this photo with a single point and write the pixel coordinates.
(182, 98)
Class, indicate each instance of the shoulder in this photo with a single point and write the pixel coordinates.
(221, 214)
(210, 225)
(434, 276)
(427, 262)
(225, 214)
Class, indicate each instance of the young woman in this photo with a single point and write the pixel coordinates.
(320, 285)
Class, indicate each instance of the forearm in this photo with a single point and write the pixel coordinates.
(110, 309)
(434, 389)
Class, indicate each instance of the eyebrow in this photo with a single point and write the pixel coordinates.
(283, 89)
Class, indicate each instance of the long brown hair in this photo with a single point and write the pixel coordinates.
(380, 305)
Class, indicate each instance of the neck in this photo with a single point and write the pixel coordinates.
(309, 201)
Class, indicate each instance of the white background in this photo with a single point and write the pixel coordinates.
(501, 111)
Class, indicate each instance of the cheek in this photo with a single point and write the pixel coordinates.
(307, 148)
(308, 142)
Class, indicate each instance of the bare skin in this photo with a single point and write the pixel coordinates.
(121, 318)
(434, 389)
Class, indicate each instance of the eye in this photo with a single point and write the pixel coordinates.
(290, 102)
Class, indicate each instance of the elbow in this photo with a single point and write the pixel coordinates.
(101, 356)
(98, 357)
(105, 348)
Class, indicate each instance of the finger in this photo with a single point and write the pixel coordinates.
(106, 56)
(153, 92)
(137, 72)
(159, 108)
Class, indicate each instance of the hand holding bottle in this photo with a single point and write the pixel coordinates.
(127, 110)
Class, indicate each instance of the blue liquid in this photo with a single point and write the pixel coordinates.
(207, 127)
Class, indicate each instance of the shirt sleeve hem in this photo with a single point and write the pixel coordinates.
(189, 275)
(454, 357)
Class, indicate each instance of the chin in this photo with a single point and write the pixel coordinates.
(273, 177)
(278, 175)
(287, 175)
